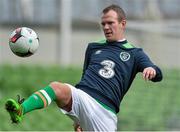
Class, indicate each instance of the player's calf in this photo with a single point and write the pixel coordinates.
(37, 100)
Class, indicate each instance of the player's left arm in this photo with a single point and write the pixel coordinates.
(152, 73)
(145, 65)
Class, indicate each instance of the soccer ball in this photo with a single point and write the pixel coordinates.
(23, 42)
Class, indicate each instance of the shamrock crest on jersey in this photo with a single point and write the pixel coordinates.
(124, 56)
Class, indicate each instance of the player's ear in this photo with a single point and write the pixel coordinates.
(123, 23)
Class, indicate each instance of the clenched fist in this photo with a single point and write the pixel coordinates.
(149, 73)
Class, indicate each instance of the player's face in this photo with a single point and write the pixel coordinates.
(113, 29)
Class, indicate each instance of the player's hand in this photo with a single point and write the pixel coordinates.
(149, 73)
(77, 128)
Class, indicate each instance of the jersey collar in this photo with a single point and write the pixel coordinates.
(119, 42)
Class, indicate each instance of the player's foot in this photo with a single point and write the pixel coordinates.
(15, 110)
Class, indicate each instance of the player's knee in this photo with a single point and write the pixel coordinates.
(56, 86)
(61, 90)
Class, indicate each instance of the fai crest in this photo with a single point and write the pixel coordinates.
(124, 56)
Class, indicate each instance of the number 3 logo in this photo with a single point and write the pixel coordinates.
(108, 70)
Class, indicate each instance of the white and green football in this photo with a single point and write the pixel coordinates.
(23, 42)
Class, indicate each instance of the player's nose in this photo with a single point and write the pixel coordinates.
(106, 26)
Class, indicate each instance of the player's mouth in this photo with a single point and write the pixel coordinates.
(108, 34)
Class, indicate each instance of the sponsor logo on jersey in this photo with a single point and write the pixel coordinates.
(107, 71)
(98, 52)
(124, 56)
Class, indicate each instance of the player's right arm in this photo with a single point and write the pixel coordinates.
(77, 128)
(87, 58)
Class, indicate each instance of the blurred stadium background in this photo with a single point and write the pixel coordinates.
(65, 27)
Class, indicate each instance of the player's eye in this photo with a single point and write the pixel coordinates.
(103, 24)
(110, 23)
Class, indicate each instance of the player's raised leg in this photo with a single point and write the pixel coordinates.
(63, 95)
(56, 91)
(15, 110)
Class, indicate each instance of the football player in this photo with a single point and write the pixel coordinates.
(110, 67)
